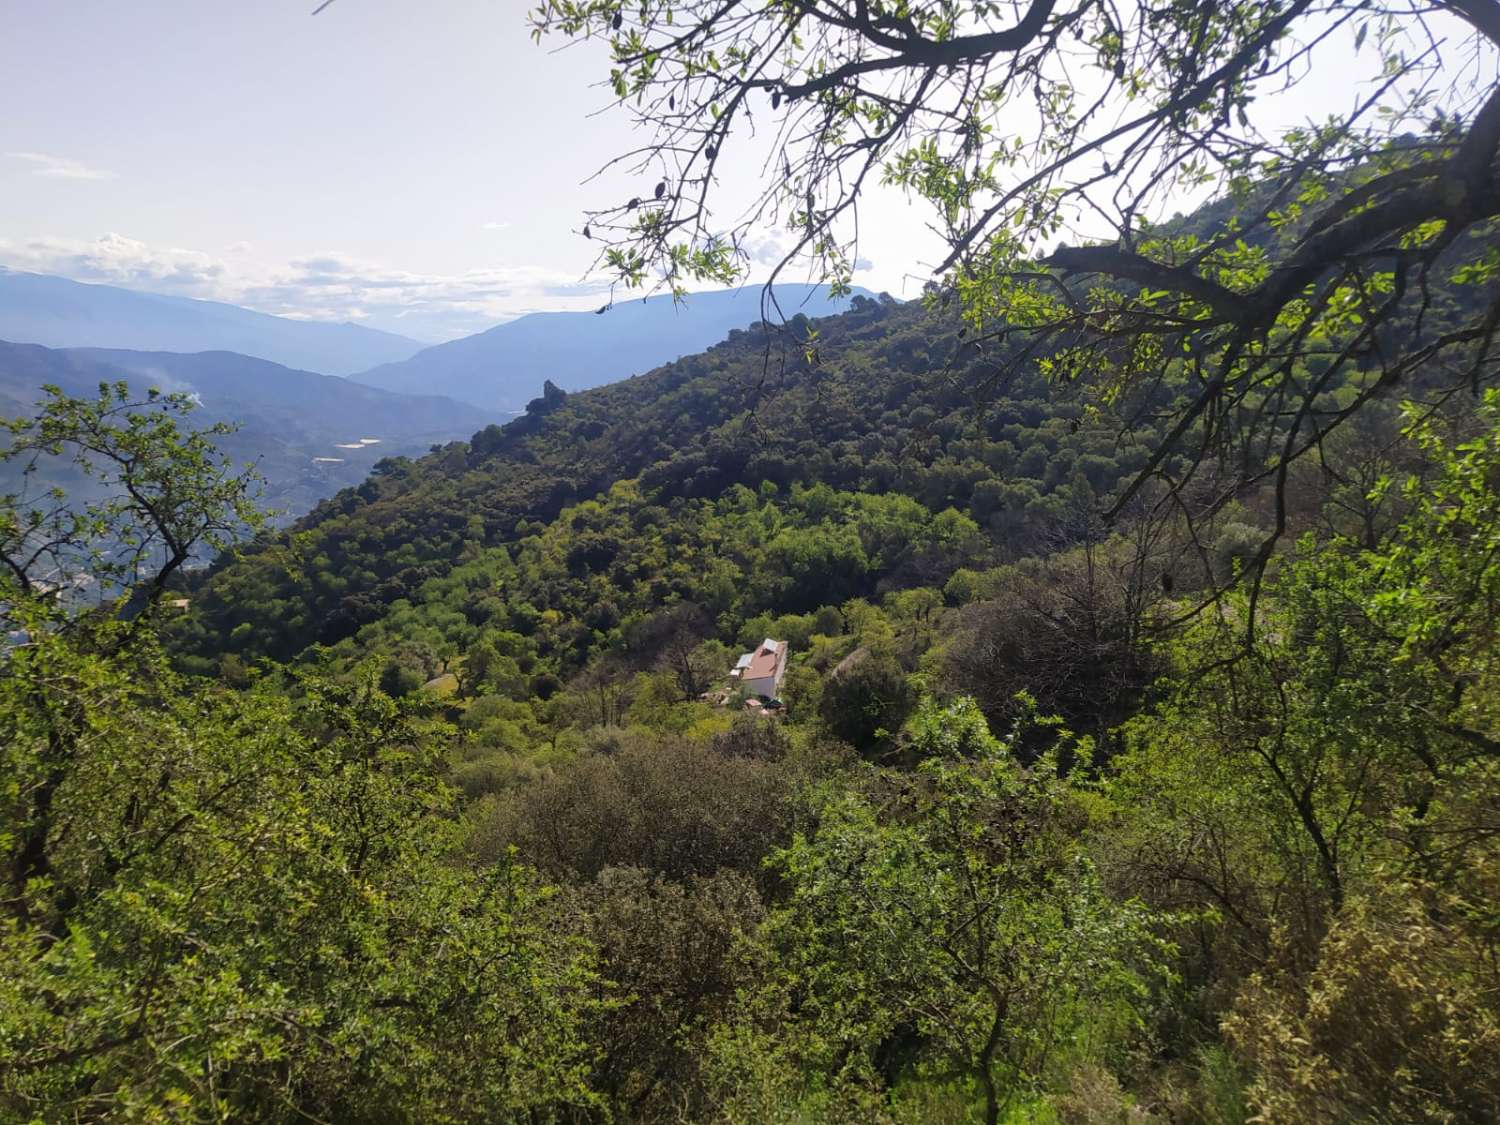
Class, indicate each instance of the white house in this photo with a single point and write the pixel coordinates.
(760, 672)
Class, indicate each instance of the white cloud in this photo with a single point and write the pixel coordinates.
(118, 260)
(767, 249)
(60, 167)
(336, 286)
(492, 225)
(329, 285)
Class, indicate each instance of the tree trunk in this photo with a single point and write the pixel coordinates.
(986, 1068)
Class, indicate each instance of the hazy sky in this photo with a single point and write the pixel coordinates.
(414, 165)
(417, 164)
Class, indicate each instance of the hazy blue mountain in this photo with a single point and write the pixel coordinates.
(41, 309)
(505, 367)
(304, 430)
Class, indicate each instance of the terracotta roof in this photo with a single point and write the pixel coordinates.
(765, 659)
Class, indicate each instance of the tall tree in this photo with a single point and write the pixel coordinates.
(158, 495)
(234, 904)
(953, 910)
(1053, 140)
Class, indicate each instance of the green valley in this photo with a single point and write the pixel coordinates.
(1069, 696)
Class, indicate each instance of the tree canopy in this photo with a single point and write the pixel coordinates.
(1029, 839)
(1052, 141)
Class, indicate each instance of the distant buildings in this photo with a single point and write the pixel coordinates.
(760, 672)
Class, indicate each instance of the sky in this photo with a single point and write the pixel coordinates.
(417, 167)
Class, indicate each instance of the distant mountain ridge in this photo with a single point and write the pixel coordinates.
(60, 313)
(505, 367)
(304, 430)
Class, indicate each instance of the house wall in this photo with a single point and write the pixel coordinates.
(765, 685)
(768, 686)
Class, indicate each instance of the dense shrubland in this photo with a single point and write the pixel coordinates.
(1055, 831)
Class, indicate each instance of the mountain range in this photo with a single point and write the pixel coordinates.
(59, 313)
(506, 366)
(309, 434)
(279, 380)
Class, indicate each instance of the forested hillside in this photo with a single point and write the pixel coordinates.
(900, 406)
(1047, 814)
(1030, 837)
